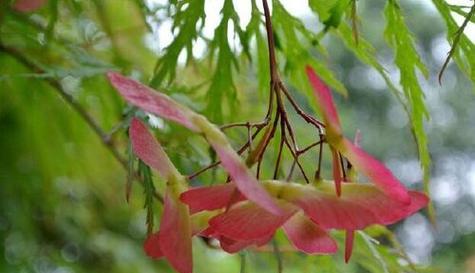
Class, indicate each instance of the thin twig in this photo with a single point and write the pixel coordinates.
(106, 141)
(291, 171)
(342, 164)
(245, 124)
(306, 149)
(105, 138)
(319, 167)
(296, 160)
(216, 163)
(279, 154)
(309, 119)
(274, 76)
(458, 35)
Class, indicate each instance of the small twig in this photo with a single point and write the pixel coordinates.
(306, 149)
(309, 119)
(458, 35)
(279, 154)
(90, 121)
(291, 134)
(291, 171)
(260, 153)
(319, 167)
(106, 141)
(249, 138)
(245, 124)
(274, 76)
(296, 160)
(216, 163)
(342, 164)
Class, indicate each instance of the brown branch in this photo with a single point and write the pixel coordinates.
(320, 153)
(279, 154)
(216, 163)
(296, 160)
(304, 150)
(274, 76)
(104, 137)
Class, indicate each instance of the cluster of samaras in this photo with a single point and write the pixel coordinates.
(246, 212)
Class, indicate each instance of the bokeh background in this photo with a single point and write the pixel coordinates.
(62, 193)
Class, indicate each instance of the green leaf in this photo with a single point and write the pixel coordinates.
(370, 242)
(322, 8)
(222, 90)
(408, 61)
(336, 14)
(188, 14)
(366, 53)
(297, 55)
(149, 191)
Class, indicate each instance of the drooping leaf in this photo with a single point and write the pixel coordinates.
(222, 90)
(188, 14)
(366, 53)
(336, 14)
(292, 29)
(408, 61)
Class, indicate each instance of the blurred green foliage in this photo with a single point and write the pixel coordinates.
(62, 192)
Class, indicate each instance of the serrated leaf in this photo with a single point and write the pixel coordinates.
(222, 90)
(408, 61)
(149, 191)
(366, 53)
(297, 54)
(336, 14)
(185, 21)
